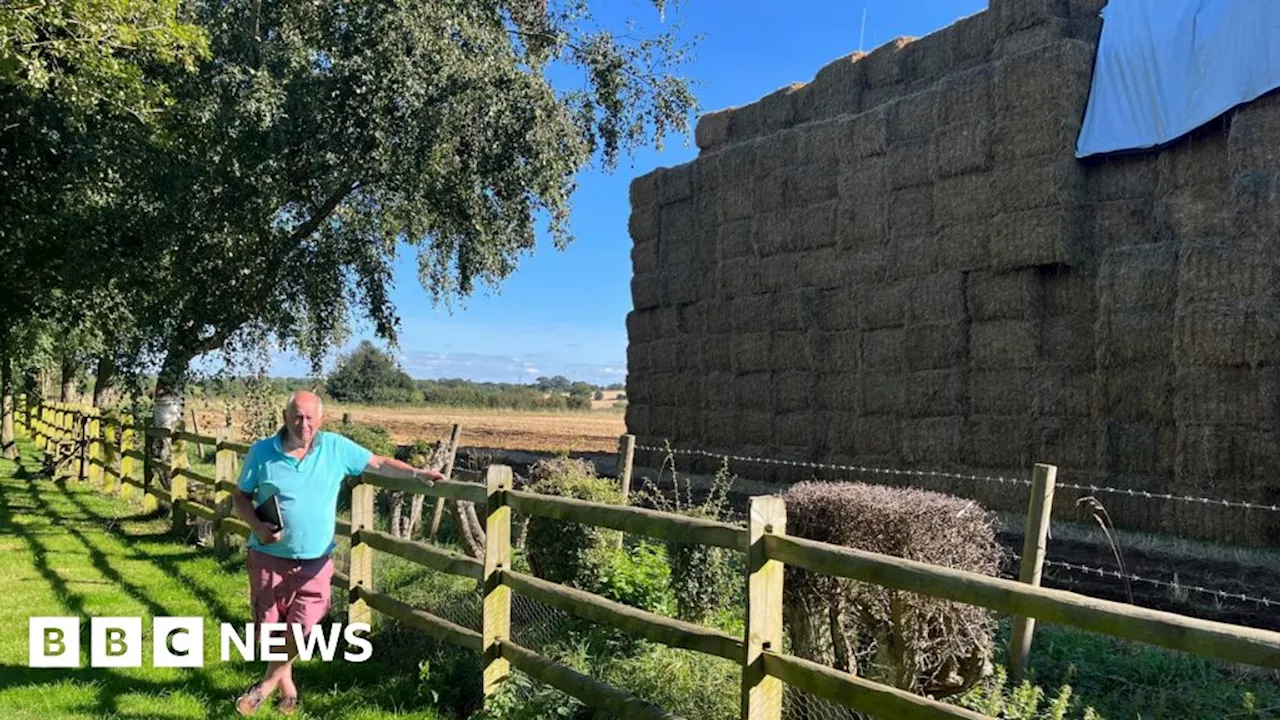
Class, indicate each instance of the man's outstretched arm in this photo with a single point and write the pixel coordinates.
(393, 468)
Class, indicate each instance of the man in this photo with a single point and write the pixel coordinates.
(289, 571)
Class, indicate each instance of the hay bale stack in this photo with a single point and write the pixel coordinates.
(908, 640)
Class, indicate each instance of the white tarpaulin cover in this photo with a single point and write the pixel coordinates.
(1165, 67)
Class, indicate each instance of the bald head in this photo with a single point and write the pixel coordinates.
(303, 414)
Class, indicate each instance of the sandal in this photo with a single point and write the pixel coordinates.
(249, 702)
(287, 704)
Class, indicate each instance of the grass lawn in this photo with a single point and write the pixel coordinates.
(70, 551)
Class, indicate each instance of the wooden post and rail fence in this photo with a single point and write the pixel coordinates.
(108, 445)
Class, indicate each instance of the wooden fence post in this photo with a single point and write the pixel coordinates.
(93, 441)
(361, 570)
(224, 471)
(495, 619)
(762, 694)
(1033, 549)
(178, 489)
(128, 443)
(437, 513)
(81, 437)
(626, 456)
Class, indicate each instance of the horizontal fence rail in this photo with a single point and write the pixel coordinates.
(634, 520)
(1170, 630)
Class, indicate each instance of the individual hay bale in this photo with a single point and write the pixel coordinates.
(1255, 202)
(1045, 236)
(934, 346)
(1032, 184)
(1065, 443)
(936, 298)
(1138, 448)
(754, 391)
(883, 348)
(1211, 333)
(675, 184)
(814, 227)
(793, 391)
(911, 212)
(1121, 222)
(795, 430)
(913, 117)
(883, 67)
(565, 552)
(908, 640)
(643, 224)
(913, 256)
(744, 122)
(882, 391)
(1011, 16)
(782, 273)
(929, 57)
(1070, 339)
(965, 97)
(837, 88)
(1193, 214)
(1121, 177)
(911, 163)
(1039, 137)
(877, 439)
(964, 245)
(778, 109)
(883, 305)
(791, 351)
(644, 189)
(750, 313)
(1227, 395)
(862, 267)
(821, 269)
(1198, 158)
(973, 38)
(838, 309)
(811, 185)
(1032, 39)
(754, 428)
(637, 413)
(998, 344)
(963, 148)
(712, 130)
(751, 352)
(965, 198)
(934, 393)
(1065, 391)
(644, 257)
(862, 220)
(736, 277)
(864, 135)
(839, 351)
(998, 443)
(1138, 392)
(1000, 392)
(717, 352)
(838, 391)
(737, 182)
(1226, 461)
(678, 223)
(645, 292)
(1254, 144)
(1138, 277)
(931, 441)
(1051, 81)
(1012, 294)
(1222, 272)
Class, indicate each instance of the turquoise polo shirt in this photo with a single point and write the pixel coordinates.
(307, 488)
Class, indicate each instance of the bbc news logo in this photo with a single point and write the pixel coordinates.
(178, 642)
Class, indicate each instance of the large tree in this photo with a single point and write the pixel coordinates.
(320, 139)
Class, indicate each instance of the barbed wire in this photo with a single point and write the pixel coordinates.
(836, 467)
(1242, 504)
(1175, 586)
(1094, 489)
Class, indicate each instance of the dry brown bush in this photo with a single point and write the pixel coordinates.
(911, 641)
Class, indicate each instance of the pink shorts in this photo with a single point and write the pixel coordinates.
(289, 591)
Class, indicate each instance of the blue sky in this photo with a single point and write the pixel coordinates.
(564, 312)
